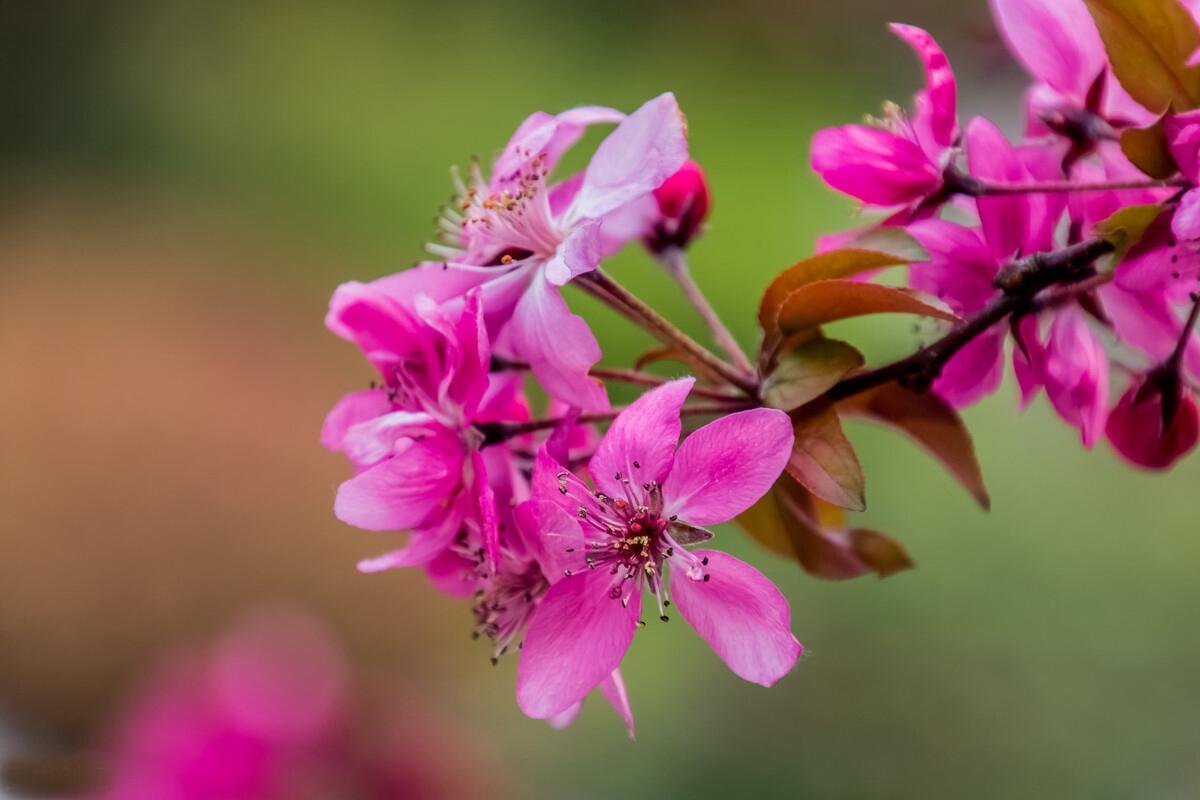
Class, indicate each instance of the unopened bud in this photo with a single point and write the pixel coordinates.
(1155, 423)
(683, 205)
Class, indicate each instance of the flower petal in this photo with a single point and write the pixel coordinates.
(613, 689)
(405, 491)
(1077, 374)
(640, 444)
(1006, 219)
(1057, 41)
(648, 147)
(352, 409)
(937, 104)
(575, 640)
(724, 467)
(580, 253)
(740, 613)
(974, 372)
(558, 345)
(875, 166)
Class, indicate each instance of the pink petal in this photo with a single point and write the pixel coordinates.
(1029, 359)
(352, 409)
(875, 166)
(1077, 374)
(551, 535)
(484, 499)
(548, 136)
(640, 444)
(648, 147)
(564, 719)
(974, 372)
(423, 545)
(1185, 224)
(960, 270)
(613, 688)
(726, 466)
(580, 253)
(452, 574)
(575, 640)
(1005, 219)
(558, 345)
(370, 442)
(403, 492)
(937, 104)
(1183, 139)
(740, 613)
(1055, 40)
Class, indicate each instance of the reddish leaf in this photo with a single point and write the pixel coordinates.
(932, 422)
(823, 266)
(701, 371)
(825, 301)
(785, 522)
(823, 460)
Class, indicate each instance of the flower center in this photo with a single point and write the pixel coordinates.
(500, 223)
(506, 602)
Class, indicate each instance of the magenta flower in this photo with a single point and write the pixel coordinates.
(629, 534)
(519, 238)
(964, 262)
(902, 161)
(1155, 423)
(413, 442)
(1075, 91)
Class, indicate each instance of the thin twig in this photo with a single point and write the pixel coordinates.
(496, 432)
(633, 376)
(605, 288)
(674, 259)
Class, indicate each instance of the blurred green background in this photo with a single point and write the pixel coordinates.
(183, 184)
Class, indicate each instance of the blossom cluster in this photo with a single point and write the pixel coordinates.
(1079, 243)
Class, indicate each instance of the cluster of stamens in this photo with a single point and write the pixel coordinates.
(491, 224)
(630, 536)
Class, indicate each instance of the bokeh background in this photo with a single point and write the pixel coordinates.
(183, 184)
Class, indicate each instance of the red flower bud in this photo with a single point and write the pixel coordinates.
(683, 202)
(1154, 424)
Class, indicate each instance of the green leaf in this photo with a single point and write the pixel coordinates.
(932, 423)
(1149, 43)
(809, 370)
(823, 266)
(1126, 227)
(817, 303)
(823, 460)
(785, 522)
(1147, 149)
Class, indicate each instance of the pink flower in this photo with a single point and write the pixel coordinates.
(964, 262)
(1076, 93)
(683, 203)
(414, 443)
(519, 238)
(650, 500)
(1155, 423)
(1076, 374)
(270, 712)
(902, 161)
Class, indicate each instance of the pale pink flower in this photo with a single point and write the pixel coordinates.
(901, 162)
(629, 534)
(519, 238)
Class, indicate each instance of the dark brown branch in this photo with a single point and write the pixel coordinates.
(1019, 282)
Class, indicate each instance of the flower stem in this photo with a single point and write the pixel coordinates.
(602, 286)
(961, 183)
(500, 364)
(674, 259)
(497, 432)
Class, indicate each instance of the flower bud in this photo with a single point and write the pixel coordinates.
(1155, 423)
(683, 203)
